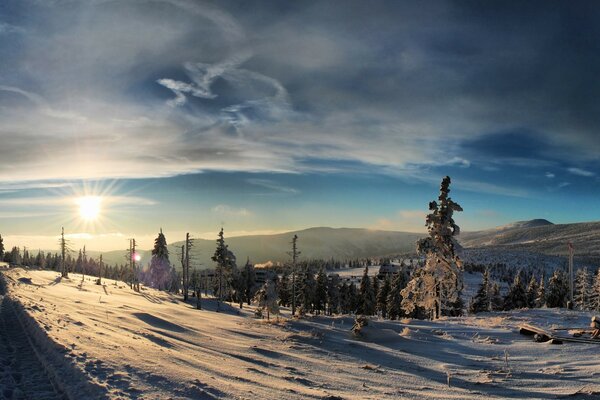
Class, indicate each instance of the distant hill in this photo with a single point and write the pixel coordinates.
(322, 243)
(539, 236)
(534, 236)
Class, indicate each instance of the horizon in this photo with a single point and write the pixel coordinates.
(120, 118)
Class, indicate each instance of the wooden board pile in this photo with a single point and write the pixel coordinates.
(578, 335)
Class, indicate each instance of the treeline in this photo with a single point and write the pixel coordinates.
(536, 292)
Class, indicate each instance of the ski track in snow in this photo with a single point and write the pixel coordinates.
(150, 345)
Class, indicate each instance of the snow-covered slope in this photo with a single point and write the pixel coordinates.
(150, 345)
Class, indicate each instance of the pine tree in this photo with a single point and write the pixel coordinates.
(1, 248)
(596, 291)
(284, 289)
(320, 292)
(496, 298)
(345, 303)
(367, 301)
(394, 300)
(482, 300)
(532, 292)
(517, 295)
(382, 296)
(333, 294)
(159, 271)
(583, 290)
(307, 291)
(540, 298)
(267, 298)
(353, 298)
(437, 287)
(224, 271)
(248, 282)
(558, 290)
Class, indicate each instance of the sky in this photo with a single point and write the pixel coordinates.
(271, 116)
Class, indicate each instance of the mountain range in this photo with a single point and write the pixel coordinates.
(535, 236)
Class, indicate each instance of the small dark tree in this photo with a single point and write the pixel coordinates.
(367, 301)
(482, 300)
(496, 298)
(284, 289)
(321, 292)
(382, 296)
(558, 290)
(333, 294)
(516, 296)
(307, 291)
(532, 291)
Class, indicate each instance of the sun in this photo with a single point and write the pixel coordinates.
(89, 207)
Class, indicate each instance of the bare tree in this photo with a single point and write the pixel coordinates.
(294, 254)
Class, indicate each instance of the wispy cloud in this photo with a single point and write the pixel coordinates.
(581, 172)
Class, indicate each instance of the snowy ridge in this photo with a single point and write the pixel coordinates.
(154, 346)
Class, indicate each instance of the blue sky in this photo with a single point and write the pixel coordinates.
(273, 116)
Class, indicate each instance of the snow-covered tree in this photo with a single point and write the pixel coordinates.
(482, 300)
(367, 300)
(437, 287)
(596, 291)
(159, 271)
(517, 295)
(583, 289)
(497, 302)
(225, 269)
(540, 298)
(382, 296)
(532, 292)
(267, 298)
(394, 300)
(558, 290)
(320, 300)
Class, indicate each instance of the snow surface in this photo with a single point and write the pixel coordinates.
(151, 345)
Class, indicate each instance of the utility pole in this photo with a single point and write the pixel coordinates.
(571, 251)
(294, 254)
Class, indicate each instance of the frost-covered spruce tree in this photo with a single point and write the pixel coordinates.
(532, 291)
(267, 298)
(333, 294)
(366, 295)
(558, 290)
(582, 289)
(321, 292)
(437, 287)
(382, 296)
(482, 300)
(540, 298)
(159, 271)
(596, 291)
(516, 296)
(225, 269)
(497, 302)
